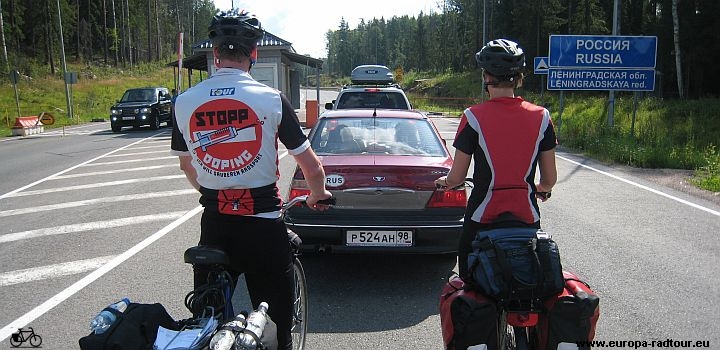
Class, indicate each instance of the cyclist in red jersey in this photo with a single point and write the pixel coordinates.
(508, 138)
(226, 135)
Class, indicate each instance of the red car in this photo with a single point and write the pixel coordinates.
(381, 166)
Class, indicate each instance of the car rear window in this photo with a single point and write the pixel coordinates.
(139, 95)
(392, 136)
(368, 99)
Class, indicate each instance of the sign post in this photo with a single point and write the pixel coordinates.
(14, 76)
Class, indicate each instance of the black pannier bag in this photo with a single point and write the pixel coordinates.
(570, 317)
(515, 263)
(467, 317)
(135, 328)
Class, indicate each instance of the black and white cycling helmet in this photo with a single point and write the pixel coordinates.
(501, 58)
(235, 27)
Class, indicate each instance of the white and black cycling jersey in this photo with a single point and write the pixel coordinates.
(230, 125)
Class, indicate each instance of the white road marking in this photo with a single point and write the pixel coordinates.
(164, 145)
(157, 140)
(138, 153)
(46, 306)
(52, 271)
(88, 226)
(131, 160)
(130, 197)
(697, 206)
(41, 309)
(116, 171)
(67, 170)
(96, 185)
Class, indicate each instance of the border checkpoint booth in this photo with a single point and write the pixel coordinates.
(275, 65)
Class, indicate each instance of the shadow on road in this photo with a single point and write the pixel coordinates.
(368, 293)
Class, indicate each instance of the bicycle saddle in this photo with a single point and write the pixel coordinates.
(204, 255)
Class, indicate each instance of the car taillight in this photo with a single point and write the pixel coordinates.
(298, 188)
(448, 199)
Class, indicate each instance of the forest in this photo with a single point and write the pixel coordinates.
(123, 33)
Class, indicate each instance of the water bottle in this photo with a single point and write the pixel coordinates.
(105, 318)
(225, 337)
(255, 325)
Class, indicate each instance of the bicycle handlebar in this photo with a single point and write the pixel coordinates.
(469, 183)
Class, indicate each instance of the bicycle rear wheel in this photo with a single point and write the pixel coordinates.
(506, 334)
(35, 340)
(300, 307)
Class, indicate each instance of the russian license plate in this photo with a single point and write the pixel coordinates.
(128, 118)
(397, 238)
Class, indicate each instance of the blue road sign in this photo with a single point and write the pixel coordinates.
(601, 79)
(589, 51)
(541, 65)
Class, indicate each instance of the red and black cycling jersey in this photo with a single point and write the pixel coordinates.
(505, 136)
(230, 124)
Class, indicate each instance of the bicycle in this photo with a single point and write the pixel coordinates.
(19, 338)
(217, 294)
(517, 318)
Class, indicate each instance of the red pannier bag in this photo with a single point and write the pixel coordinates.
(571, 316)
(467, 318)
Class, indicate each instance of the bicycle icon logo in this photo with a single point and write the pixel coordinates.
(24, 335)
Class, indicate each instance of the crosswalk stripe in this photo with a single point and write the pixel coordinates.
(95, 185)
(52, 271)
(89, 226)
(130, 197)
(166, 151)
(130, 161)
(152, 167)
(165, 146)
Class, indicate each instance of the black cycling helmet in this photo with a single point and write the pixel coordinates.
(235, 27)
(501, 58)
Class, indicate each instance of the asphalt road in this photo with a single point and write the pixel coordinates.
(89, 217)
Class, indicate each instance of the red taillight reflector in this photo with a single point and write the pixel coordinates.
(518, 319)
(298, 188)
(448, 199)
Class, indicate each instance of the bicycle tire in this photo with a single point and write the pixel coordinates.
(506, 334)
(521, 339)
(35, 340)
(300, 306)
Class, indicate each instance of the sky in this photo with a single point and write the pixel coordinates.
(304, 23)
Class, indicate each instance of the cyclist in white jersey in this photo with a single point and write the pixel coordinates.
(225, 134)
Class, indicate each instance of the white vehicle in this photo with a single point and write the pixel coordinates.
(372, 86)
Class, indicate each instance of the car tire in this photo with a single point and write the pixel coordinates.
(115, 128)
(155, 123)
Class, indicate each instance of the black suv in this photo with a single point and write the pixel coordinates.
(142, 106)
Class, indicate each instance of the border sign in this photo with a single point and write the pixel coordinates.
(589, 51)
(590, 62)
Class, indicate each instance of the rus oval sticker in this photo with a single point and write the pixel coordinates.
(334, 180)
